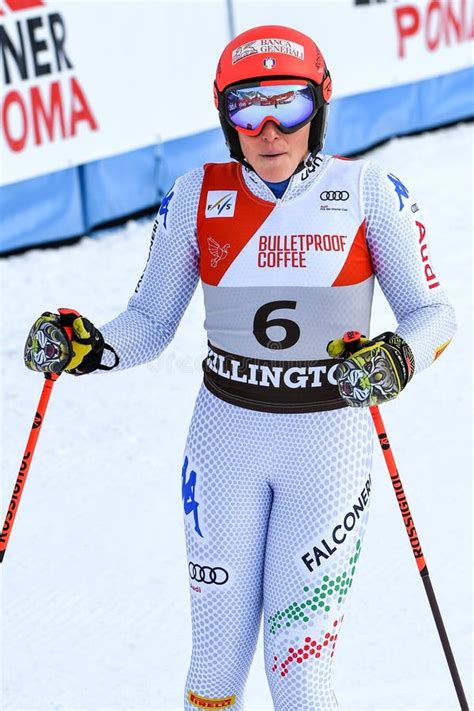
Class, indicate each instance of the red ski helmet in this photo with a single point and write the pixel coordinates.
(273, 52)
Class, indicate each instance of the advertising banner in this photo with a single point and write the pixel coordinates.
(86, 80)
(375, 45)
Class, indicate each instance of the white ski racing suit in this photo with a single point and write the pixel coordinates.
(276, 474)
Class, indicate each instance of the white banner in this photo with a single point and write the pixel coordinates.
(86, 80)
(375, 44)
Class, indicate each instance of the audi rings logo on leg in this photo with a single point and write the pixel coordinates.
(206, 574)
(334, 195)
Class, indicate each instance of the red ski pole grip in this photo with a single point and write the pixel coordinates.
(65, 321)
(351, 340)
(352, 336)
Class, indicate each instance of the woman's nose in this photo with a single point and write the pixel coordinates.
(270, 131)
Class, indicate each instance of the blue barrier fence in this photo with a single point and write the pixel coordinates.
(71, 202)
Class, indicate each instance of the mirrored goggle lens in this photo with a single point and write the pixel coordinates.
(289, 104)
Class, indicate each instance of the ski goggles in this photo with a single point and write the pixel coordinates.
(290, 104)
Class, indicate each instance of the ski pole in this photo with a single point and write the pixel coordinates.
(417, 552)
(50, 379)
(352, 340)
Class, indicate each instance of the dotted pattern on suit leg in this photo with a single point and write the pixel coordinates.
(268, 487)
(321, 495)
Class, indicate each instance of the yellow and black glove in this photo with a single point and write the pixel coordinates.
(65, 342)
(373, 370)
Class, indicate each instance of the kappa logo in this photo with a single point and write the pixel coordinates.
(204, 702)
(221, 203)
(400, 189)
(165, 206)
(217, 252)
(188, 486)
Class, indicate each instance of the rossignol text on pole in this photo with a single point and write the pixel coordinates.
(418, 552)
(50, 379)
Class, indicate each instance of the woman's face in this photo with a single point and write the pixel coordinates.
(275, 155)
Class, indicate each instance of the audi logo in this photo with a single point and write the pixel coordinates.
(334, 195)
(205, 574)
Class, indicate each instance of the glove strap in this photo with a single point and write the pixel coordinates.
(117, 359)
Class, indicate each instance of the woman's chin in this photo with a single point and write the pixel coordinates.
(274, 169)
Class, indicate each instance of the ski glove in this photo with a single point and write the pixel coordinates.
(373, 370)
(65, 341)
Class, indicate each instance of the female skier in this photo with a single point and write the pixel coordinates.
(276, 474)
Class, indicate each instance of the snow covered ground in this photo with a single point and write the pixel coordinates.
(95, 606)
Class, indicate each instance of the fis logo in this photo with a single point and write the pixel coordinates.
(220, 203)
